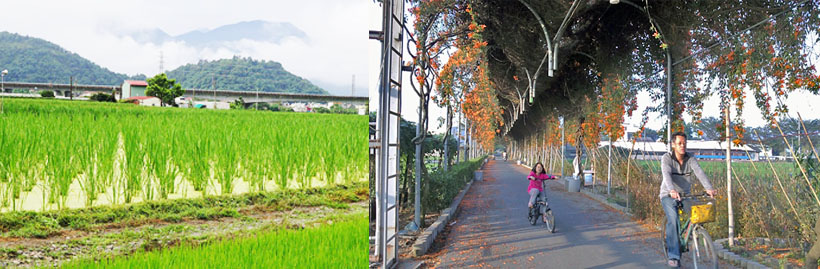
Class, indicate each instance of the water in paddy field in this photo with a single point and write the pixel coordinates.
(35, 200)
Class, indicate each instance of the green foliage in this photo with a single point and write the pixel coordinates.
(47, 94)
(102, 97)
(439, 188)
(276, 107)
(239, 103)
(341, 243)
(321, 110)
(261, 106)
(32, 59)
(242, 74)
(338, 109)
(165, 89)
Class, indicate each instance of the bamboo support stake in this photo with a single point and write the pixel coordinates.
(628, 160)
(807, 135)
(757, 216)
(802, 170)
(796, 215)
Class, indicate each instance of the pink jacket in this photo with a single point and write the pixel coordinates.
(537, 182)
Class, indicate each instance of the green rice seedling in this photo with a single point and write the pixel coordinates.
(226, 162)
(338, 243)
(52, 143)
(134, 160)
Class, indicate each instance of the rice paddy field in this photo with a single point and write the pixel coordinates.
(61, 154)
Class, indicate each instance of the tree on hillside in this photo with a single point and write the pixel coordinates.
(165, 89)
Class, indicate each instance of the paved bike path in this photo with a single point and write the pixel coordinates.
(492, 229)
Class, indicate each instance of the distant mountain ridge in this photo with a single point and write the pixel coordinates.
(30, 59)
(257, 30)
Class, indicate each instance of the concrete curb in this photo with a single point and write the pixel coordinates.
(738, 260)
(602, 199)
(426, 238)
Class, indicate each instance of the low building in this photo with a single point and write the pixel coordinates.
(297, 106)
(704, 150)
(211, 105)
(143, 100)
(132, 88)
(362, 109)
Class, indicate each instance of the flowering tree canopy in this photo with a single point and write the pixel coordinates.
(607, 53)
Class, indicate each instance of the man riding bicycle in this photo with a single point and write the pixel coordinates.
(677, 168)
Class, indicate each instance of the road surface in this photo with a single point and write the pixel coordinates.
(492, 230)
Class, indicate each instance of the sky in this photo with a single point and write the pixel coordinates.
(798, 102)
(336, 48)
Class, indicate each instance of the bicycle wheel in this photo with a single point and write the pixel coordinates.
(533, 217)
(549, 221)
(703, 249)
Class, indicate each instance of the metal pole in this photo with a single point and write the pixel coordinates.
(609, 168)
(562, 146)
(458, 139)
(419, 160)
(729, 178)
(668, 100)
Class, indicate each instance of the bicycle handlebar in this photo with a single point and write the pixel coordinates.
(690, 196)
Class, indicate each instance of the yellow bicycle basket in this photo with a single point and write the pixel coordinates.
(702, 210)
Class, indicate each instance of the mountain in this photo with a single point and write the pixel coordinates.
(242, 74)
(30, 59)
(263, 31)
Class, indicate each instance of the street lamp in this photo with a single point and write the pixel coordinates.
(2, 87)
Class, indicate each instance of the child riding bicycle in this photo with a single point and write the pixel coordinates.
(536, 177)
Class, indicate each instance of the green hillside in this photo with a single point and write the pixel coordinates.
(30, 59)
(242, 74)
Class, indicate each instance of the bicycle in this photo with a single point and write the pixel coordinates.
(693, 211)
(542, 210)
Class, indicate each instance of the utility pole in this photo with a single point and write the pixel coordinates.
(71, 89)
(161, 62)
(729, 178)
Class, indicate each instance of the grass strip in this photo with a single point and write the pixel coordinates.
(44, 224)
(342, 244)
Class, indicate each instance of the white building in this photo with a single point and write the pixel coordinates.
(704, 150)
(132, 88)
(144, 100)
